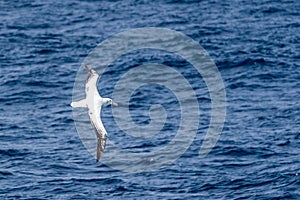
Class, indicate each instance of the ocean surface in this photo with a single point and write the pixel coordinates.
(256, 47)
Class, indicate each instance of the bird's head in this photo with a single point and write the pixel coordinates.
(108, 101)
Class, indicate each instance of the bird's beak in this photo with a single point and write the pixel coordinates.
(114, 104)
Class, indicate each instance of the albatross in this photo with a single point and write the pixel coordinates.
(94, 102)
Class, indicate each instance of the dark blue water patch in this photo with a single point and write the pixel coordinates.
(243, 63)
(5, 174)
(14, 152)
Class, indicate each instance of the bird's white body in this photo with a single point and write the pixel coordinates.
(94, 102)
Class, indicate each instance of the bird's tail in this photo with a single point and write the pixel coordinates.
(79, 104)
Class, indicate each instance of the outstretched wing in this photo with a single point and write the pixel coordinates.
(91, 81)
(100, 147)
(100, 133)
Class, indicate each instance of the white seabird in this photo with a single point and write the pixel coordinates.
(94, 102)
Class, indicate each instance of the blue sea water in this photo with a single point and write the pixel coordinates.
(255, 45)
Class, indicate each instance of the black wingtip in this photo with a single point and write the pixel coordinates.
(88, 68)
